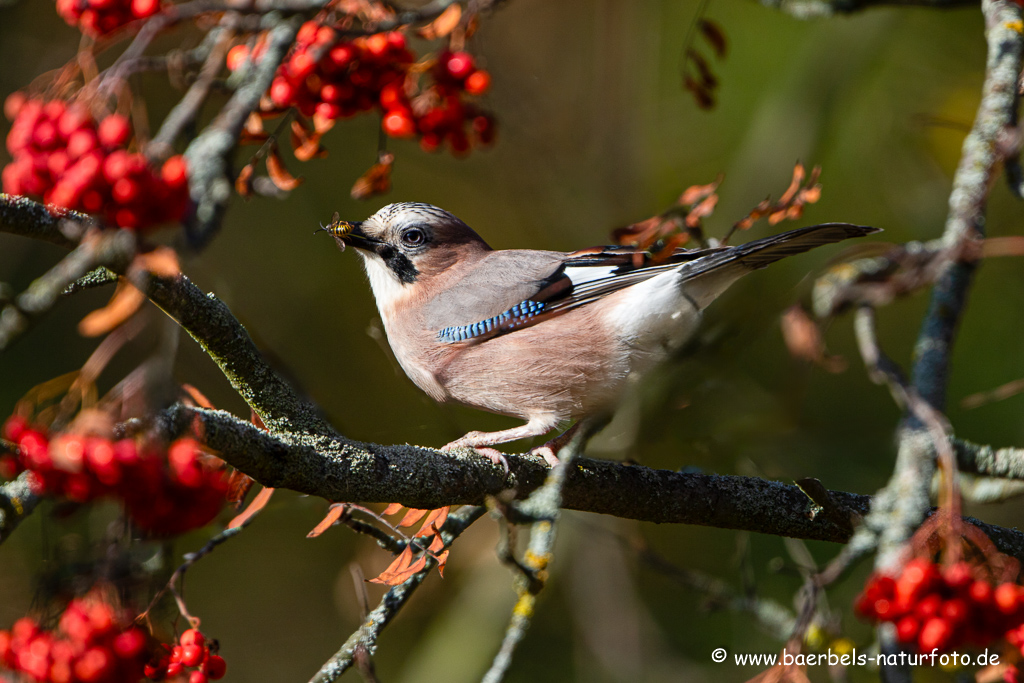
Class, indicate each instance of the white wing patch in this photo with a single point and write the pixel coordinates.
(582, 274)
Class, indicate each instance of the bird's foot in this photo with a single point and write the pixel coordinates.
(547, 451)
(492, 454)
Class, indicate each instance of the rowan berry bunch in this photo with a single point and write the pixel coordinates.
(166, 490)
(331, 79)
(193, 651)
(93, 643)
(943, 607)
(63, 155)
(99, 17)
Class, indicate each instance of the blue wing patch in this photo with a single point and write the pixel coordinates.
(510, 319)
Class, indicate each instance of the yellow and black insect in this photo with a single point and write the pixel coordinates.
(337, 228)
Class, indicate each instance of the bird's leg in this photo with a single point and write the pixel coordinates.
(480, 440)
(549, 451)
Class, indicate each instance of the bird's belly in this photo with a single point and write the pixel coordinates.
(566, 367)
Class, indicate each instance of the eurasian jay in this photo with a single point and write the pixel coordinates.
(543, 336)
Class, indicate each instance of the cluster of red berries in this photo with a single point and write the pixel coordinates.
(333, 79)
(100, 17)
(166, 492)
(943, 607)
(92, 644)
(62, 154)
(193, 651)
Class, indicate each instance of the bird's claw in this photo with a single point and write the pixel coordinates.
(492, 454)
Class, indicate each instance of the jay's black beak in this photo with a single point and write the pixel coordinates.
(350, 233)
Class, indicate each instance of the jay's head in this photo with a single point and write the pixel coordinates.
(407, 242)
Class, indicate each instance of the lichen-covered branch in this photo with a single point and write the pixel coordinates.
(819, 9)
(17, 501)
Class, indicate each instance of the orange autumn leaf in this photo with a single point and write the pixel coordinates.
(162, 261)
(705, 208)
(392, 509)
(122, 305)
(437, 543)
(443, 25)
(198, 397)
(695, 193)
(329, 520)
(279, 175)
(401, 569)
(411, 517)
(257, 504)
(435, 519)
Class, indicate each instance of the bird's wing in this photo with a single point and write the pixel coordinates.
(513, 289)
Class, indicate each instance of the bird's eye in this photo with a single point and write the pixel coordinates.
(413, 237)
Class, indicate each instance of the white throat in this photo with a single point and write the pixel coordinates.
(387, 289)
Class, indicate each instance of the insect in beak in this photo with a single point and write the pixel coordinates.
(338, 229)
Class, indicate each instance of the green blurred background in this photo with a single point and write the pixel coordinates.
(595, 132)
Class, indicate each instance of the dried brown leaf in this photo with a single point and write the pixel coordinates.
(329, 520)
(804, 340)
(705, 208)
(442, 561)
(443, 25)
(239, 484)
(122, 305)
(1003, 246)
(376, 180)
(704, 97)
(306, 143)
(258, 503)
(715, 36)
(279, 175)
(243, 183)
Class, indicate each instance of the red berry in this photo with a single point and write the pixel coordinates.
(377, 45)
(95, 665)
(458, 65)
(396, 40)
(125, 191)
(980, 592)
(307, 33)
(928, 606)
(300, 66)
(13, 104)
(145, 8)
(1006, 597)
(392, 95)
(197, 677)
(282, 92)
(478, 82)
(175, 172)
(115, 131)
(237, 56)
(192, 655)
(399, 124)
(215, 667)
(341, 55)
(958, 576)
(129, 644)
(935, 634)
(907, 629)
(192, 636)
